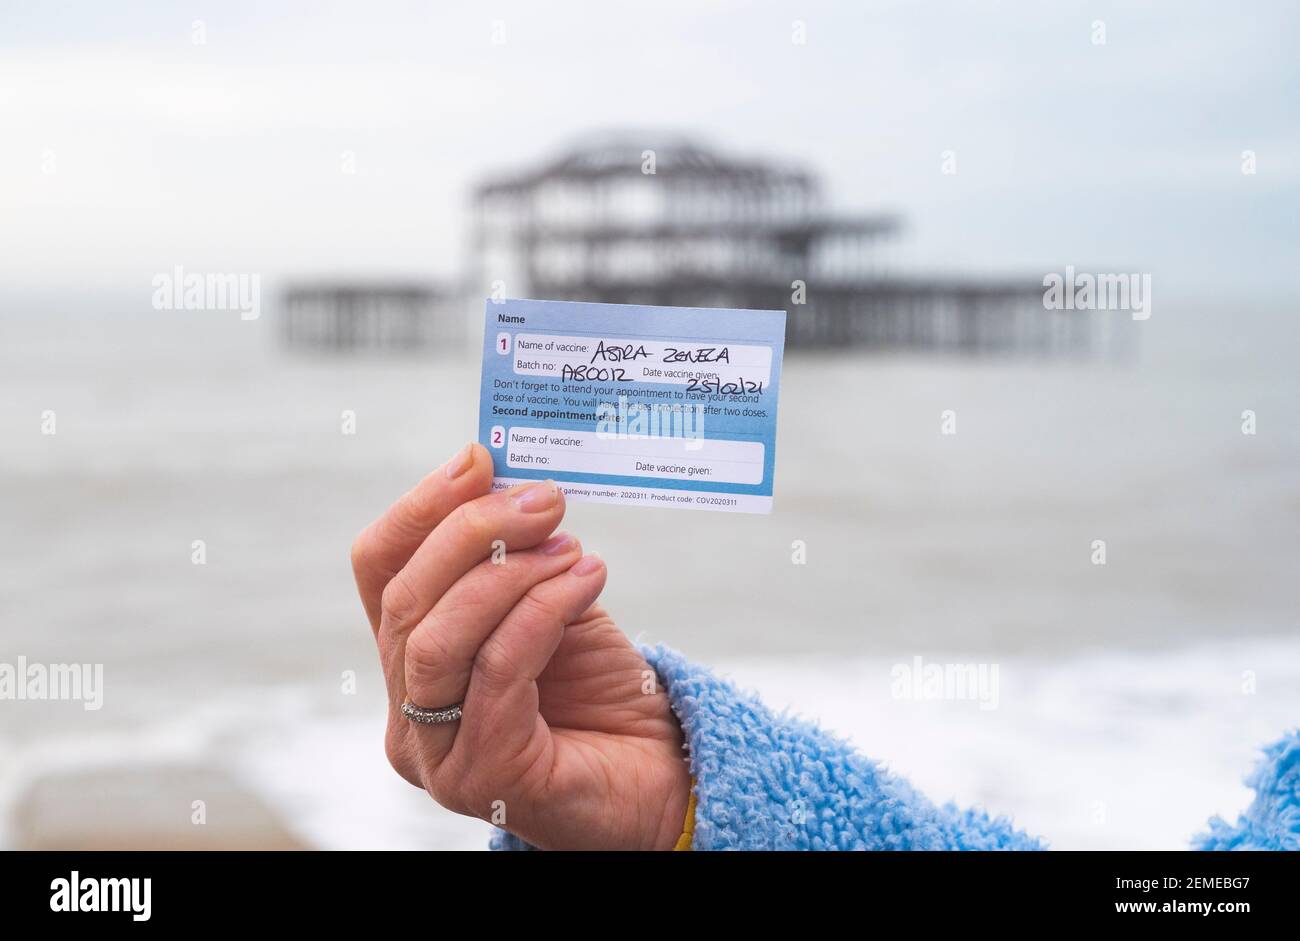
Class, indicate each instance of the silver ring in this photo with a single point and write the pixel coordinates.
(431, 716)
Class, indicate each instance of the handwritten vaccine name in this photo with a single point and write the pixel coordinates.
(632, 352)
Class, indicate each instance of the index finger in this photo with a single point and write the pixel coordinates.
(385, 546)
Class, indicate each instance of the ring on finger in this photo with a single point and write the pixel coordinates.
(438, 716)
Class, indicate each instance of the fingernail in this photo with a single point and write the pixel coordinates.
(461, 462)
(587, 565)
(557, 544)
(537, 497)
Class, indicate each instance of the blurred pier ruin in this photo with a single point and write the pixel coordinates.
(675, 223)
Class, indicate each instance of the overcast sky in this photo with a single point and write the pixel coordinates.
(128, 148)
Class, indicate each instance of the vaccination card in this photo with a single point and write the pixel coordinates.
(624, 403)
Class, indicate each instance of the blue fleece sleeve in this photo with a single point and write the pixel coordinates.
(1272, 821)
(768, 781)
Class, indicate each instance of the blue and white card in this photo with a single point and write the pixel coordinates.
(622, 403)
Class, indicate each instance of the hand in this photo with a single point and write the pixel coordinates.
(559, 734)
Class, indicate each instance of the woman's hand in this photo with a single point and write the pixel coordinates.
(565, 739)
